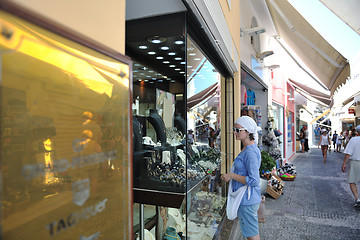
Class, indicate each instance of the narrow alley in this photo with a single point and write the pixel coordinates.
(317, 205)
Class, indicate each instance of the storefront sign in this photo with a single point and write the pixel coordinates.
(72, 219)
(62, 165)
(65, 162)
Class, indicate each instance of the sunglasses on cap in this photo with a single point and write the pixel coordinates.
(238, 129)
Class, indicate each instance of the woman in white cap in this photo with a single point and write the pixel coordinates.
(324, 142)
(244, 195)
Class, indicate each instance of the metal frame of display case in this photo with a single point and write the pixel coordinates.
(162, 198)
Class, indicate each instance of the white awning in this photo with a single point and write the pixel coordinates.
(322, 97)
(346, 10)
(318, 55)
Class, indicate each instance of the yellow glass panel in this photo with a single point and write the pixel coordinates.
(65, 138)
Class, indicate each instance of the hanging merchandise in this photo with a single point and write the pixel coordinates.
(250, 97)
(243, 94)
(254, 112)
(273, 141)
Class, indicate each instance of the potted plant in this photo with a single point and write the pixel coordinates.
(267, 163)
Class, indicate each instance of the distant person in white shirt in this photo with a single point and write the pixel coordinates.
(352, 151)
(324, 143)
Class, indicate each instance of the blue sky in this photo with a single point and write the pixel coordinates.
(333, 29)
(204, 78)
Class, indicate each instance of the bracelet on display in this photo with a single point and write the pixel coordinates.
(182, 171)
(157, 172)
(163, 177)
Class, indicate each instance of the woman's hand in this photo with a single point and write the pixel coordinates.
(226, 177)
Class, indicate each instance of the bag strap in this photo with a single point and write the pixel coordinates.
(176, 237)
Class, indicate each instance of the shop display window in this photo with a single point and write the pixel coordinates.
(65, 146)
(176, 129)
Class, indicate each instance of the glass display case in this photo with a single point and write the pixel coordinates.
(176, 128)
(65, 146)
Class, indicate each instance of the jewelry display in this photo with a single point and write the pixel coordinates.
(174, 166)
(181, 155)
(208, 165)
(176, 220)
(148, 141)
(174, 137)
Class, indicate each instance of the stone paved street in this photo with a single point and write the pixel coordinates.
(317, 205)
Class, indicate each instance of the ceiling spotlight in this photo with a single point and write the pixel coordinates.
(156, 39)
(159, 57)
(179, 42)
(151, 53)
(164, 48)
(252, 31)
(166, 62)
(178, 58)
(171, 53)
(143, 47)
(192, 54)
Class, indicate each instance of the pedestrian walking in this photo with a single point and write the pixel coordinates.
(333, 139)
(324, 143)
(302, 139)
(244, 195)
(352, 152)
(346, 138)
(339, 140)
(190, 136)
(306, 143)
(211, 137)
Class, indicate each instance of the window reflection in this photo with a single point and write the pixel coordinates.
(64, 149)
(204, 144)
